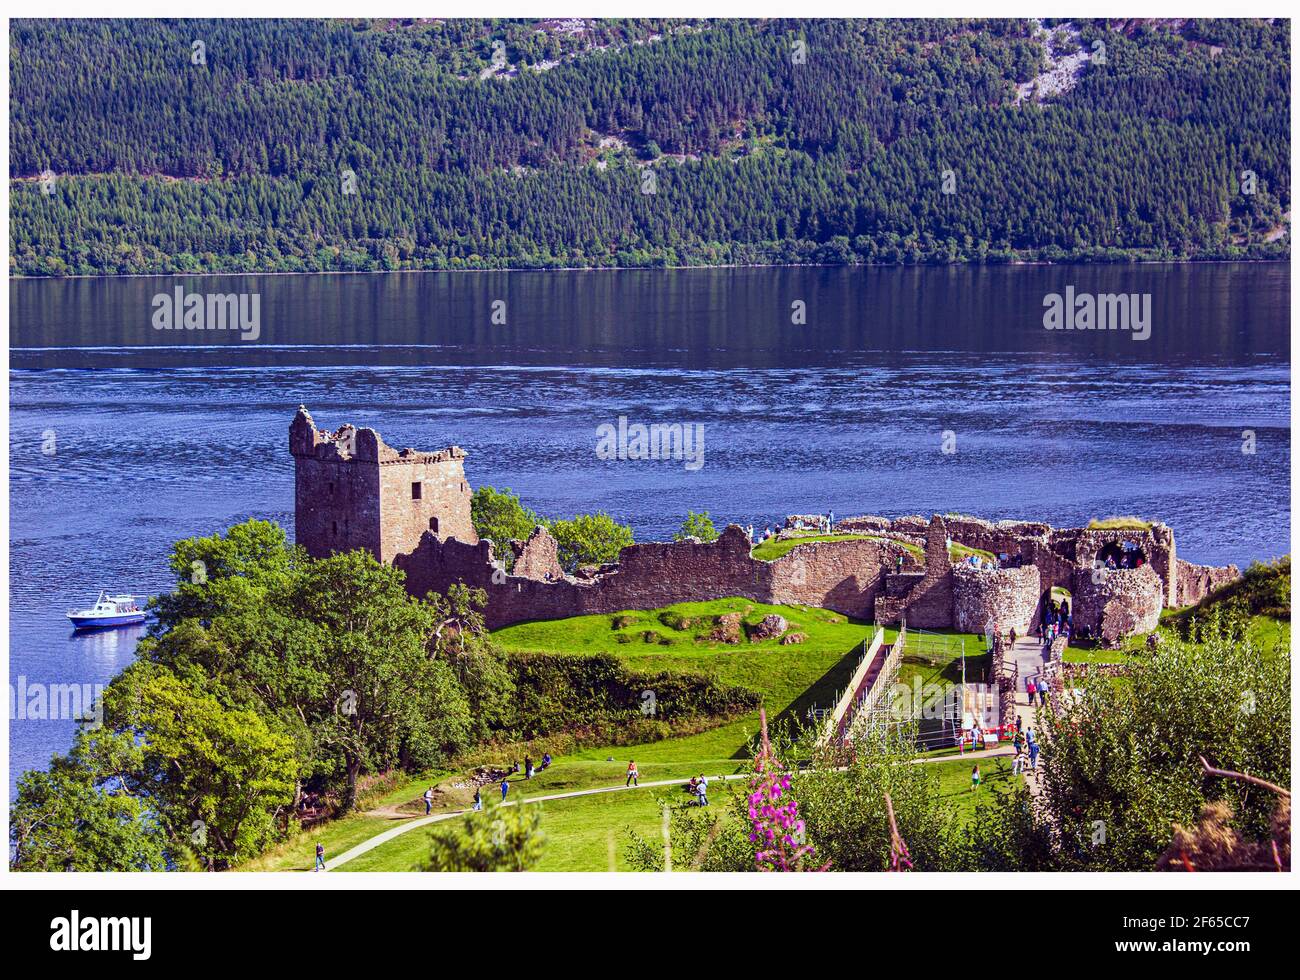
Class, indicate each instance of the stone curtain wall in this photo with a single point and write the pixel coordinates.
(1007, 596)
(1195, 582)
(843, 576)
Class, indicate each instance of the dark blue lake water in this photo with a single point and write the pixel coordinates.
(159, 435)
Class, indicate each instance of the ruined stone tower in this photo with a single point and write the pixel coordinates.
(353, 491)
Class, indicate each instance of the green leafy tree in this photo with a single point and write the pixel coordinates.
(379, 697)
(80, 816)
(355, 669)
(507, 838)
(697, 526)
(481, 669)
(498, 517)
(589, 539)
(1121, 763)
(217, 778)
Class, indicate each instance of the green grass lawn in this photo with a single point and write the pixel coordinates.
(588, 833)
(791, 679)
(298, 853)
(772, 548)
(591, 833)
(955, 785)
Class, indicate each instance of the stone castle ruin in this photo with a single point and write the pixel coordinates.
(412, 509)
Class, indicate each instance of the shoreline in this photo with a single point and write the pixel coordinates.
(658, 268)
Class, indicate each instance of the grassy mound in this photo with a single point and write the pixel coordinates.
(772, 549)
(712, 639)
(1119, 524)
(957, 552)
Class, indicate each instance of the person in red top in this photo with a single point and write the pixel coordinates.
(631, 775)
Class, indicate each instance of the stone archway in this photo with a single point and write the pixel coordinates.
(1055, 606)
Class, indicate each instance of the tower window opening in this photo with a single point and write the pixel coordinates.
(433, 524)
(417, 490)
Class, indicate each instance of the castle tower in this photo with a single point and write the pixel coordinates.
(353, 491)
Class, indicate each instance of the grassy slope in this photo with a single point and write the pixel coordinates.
(298, 853)
(791, 678)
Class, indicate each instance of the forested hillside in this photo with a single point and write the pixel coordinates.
(331, 145)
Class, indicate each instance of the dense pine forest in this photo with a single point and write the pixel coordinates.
(263, 145)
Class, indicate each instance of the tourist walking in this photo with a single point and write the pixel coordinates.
(1042, 691)
(478, 798)
(320, 857)
(975, 778)
(1029, 690)
(505, 789)
(1033, 756)
(1017, 763)
(528, 767)
(632, 775)
(428, 801)
(702, 791)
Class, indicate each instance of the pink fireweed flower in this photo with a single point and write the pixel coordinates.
(774, 813)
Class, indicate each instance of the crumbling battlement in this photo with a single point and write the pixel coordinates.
(1195, 582)
(412, 509)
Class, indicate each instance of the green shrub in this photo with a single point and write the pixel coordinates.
(597, 699)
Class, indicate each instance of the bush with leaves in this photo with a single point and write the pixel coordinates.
(697, 526)
(589, 539)
(1121, 763)
(505, 838)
